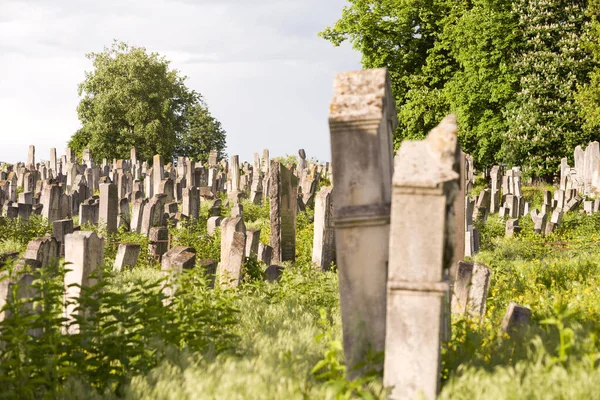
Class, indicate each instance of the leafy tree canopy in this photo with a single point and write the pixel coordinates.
(134, 99)
(509, 69)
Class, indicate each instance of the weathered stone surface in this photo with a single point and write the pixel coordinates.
(516, 318)
(44, 250)
(265, 253)
(233, 244)
(191, 202)
(512, 227)
(60, 229)
(283, 207)
(85, 253)
(137, 212)
(212, 224)
(252, 242)
(362, 119)
(324, 234)
(50, 201)
(273, 273)
(158, 241)
(539, 221)
(109, 207)
(471, 287)
(127, 256)
(422, 242)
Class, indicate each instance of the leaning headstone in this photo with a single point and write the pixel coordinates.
(173, 263)
(127, 256)
(324, 235)
(85, 253)
(539, 222)
(422, 241)
(471, 288)
(233, 243)
(252, 242)
(516, 319)
(362, 118)
(283, 206)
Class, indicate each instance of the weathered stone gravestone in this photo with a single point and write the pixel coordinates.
(422, 236)
(127, 256)
(233, 244)
(516, 319)
(158, 241)
(212, 224)
(44, 250)
(84, 251)
(109, 207)
(283, 196)
(324, 234)
(471, 287)
(362, 118)
(173, 263)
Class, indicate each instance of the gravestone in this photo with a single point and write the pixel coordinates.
(273, 273)
(158, 241)
(265, 253)
(471, 287)
(44, 250)
(252, 242)
(212, 224)
(50, 201)
(233, 244)
(85, 253)
(60, 229)
(109, 207)
(127, 256)
(283, 197)
(516, 319)
(362, 118)
(191, 202)
(324, 235)
(422, 239)
(137, 212)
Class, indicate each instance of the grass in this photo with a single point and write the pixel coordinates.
(283, 340)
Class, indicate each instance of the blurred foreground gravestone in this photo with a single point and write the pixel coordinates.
(422, 245)
(362, 119)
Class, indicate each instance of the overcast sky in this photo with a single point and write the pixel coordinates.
(258, 63)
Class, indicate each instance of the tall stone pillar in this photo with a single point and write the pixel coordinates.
(426, 181)
(109, 206)
(324, 235)
(283, 197)
(362, 118)
(85, 252)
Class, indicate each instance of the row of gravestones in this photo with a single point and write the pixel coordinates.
(236, 242)
(399, 225)
(512, 205)
(57, 189)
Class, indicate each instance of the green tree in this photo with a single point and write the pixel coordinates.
(443, 56)
(544, 124)
(202, 133)
(134, 99)
(588, 96)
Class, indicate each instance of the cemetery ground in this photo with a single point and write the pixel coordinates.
(282, 340)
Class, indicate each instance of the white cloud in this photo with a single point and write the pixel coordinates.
(259, 64)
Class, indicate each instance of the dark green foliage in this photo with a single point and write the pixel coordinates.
(134, 99)
(509, 70)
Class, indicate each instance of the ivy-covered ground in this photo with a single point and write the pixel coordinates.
(283, 340)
